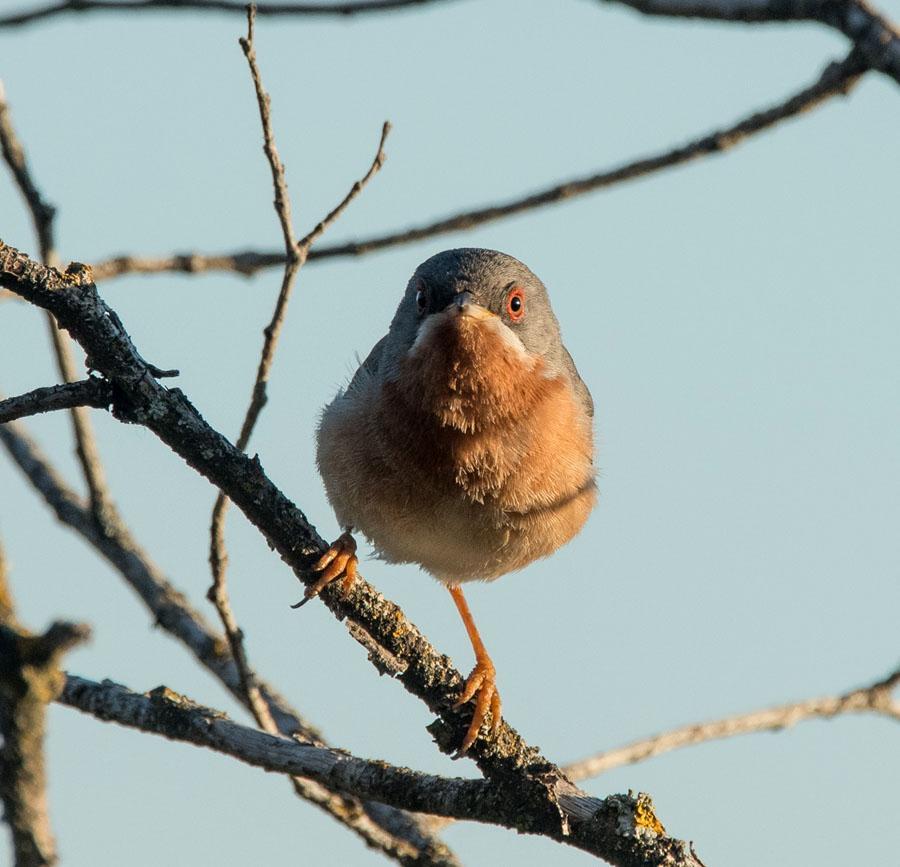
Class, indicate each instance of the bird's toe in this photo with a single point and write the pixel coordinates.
(339, 561)
(480, 685)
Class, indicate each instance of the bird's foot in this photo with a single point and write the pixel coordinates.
(339, 561)
(480, 685)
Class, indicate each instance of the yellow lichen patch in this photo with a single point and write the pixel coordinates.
(78, 274)
(644, 816)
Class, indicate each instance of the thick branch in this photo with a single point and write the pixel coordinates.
(173, 716)
(875, 698)
(836, 79)
(93, 392)
(876, 37)
(546, 802)
(402, 836)
(62, 7)
(29, 679)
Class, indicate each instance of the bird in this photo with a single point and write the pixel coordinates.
(463, 443)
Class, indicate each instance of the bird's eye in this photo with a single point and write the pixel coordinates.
(515, 303)
(421, 301)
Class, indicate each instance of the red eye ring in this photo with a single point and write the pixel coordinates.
(515, 303)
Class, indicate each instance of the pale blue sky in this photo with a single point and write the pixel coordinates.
(735, 319)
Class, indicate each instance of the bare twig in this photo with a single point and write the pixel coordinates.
(42, 216)
(93, 392)
(85, 442)
(321, 227)
(393, 832)
(282, 199)
(618, 828)
(29, 679)
(872, 33)
(218, 554)
(875, 698)
(837, 79)
(42, 212)
(62, 7)
(295, 255)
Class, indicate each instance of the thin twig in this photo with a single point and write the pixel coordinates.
(42, 212)
(384, 828)
(295, 255)
(83, 431)
(875, 698)
(42, 216)
(837, 79)
(282, 199)
(92, 392)
(62, 7)
(218, 554)
(321, 227)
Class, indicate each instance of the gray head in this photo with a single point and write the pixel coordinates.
(496, 282)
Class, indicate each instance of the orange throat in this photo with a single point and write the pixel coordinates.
(470, 373)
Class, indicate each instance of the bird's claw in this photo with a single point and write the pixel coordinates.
(339, 561)
(480, 685)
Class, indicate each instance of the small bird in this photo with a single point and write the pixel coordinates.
(463, 443)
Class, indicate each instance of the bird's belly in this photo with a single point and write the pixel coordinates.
(465, 505)
(455, 542)
(458, 541)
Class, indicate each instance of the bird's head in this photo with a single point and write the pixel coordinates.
(474, 338)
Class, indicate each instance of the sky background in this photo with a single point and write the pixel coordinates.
(735, 319)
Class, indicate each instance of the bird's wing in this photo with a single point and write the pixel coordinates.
(581, 390)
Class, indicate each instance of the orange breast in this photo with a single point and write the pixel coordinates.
(476, 434)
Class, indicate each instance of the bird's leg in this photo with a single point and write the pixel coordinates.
(480, 684)
(339, 561)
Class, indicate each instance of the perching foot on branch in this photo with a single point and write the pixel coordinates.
(339, 561)
(481, 683)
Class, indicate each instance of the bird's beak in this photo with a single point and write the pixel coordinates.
(465, 304)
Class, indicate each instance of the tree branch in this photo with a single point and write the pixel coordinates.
(94, 392)
(42, 216)
(62, 7)
(29, 679)
(838, 78)
(176, 717)
(875, 698)
(876, 37)
(403, 837)
(619, 829)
